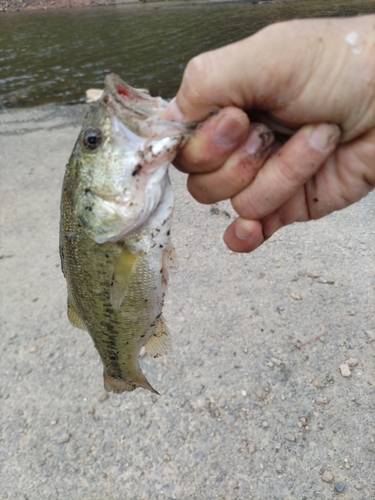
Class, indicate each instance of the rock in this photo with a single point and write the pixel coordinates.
(352, 362)
(251, 449)
(103, 396)
(265, 425)
(358, 486)
(318, 384)
(345, 370)
(276, 361)
(62, 438)
(91, 410)
(33, 349)
(325, 281)
(352, 312)
(370, 334)
(295, 296)
(261, 394)
(321, 401)
(290, 437)
(327, 476)
(312, 274)
(339, 487)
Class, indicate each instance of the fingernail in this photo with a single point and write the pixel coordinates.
(173, 112)
(228, 131)
(244, 228)
(323, 136)
(253, 143)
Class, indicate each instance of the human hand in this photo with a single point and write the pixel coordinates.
(316, 76)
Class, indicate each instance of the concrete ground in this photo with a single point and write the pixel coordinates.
(253, 404)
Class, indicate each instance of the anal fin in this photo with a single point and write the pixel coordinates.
(73, 317)
(121, 277)
(159, 344)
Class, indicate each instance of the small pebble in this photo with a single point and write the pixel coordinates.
(318, 384)
(251, 449)
(261, 394)
(290, 437)
(91, 410)
(358, 486)
(186, 256)
(103, 396)
(270, 364)
(276, 361)
(345, 370)
(265, 425)
(325, 281)
(339, 487)
(321, 401)
(320, 425)
(13, 335)
(243, 393)
(352, 312)
(312, 274)
(370, 334)
(33, 349)
(63, 438)
(352, 362)
(295, 296)
(327, 476)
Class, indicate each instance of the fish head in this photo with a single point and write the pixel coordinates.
(122, 156)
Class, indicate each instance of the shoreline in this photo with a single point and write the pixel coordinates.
(32, 5)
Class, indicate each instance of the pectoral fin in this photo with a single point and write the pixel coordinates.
(121, 277)
(73, 317)
(159, 344)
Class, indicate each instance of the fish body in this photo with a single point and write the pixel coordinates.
(115, 247)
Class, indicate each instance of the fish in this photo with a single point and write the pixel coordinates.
(115, 224)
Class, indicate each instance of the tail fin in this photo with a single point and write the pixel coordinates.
(117, 385)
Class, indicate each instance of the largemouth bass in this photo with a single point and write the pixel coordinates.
(115, 225)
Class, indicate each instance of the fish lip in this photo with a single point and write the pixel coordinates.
(124, 99)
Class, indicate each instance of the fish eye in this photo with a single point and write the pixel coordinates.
(92, 138)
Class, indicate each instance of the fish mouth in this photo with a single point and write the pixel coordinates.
(125, 100)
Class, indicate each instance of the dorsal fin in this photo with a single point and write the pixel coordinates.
(159, 344)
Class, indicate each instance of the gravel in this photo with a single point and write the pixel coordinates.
(229, 315)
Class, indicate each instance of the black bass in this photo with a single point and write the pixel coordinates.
(115, 225)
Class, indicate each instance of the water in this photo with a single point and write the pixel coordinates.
(54, 56)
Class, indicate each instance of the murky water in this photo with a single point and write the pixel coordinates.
(54, 56)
